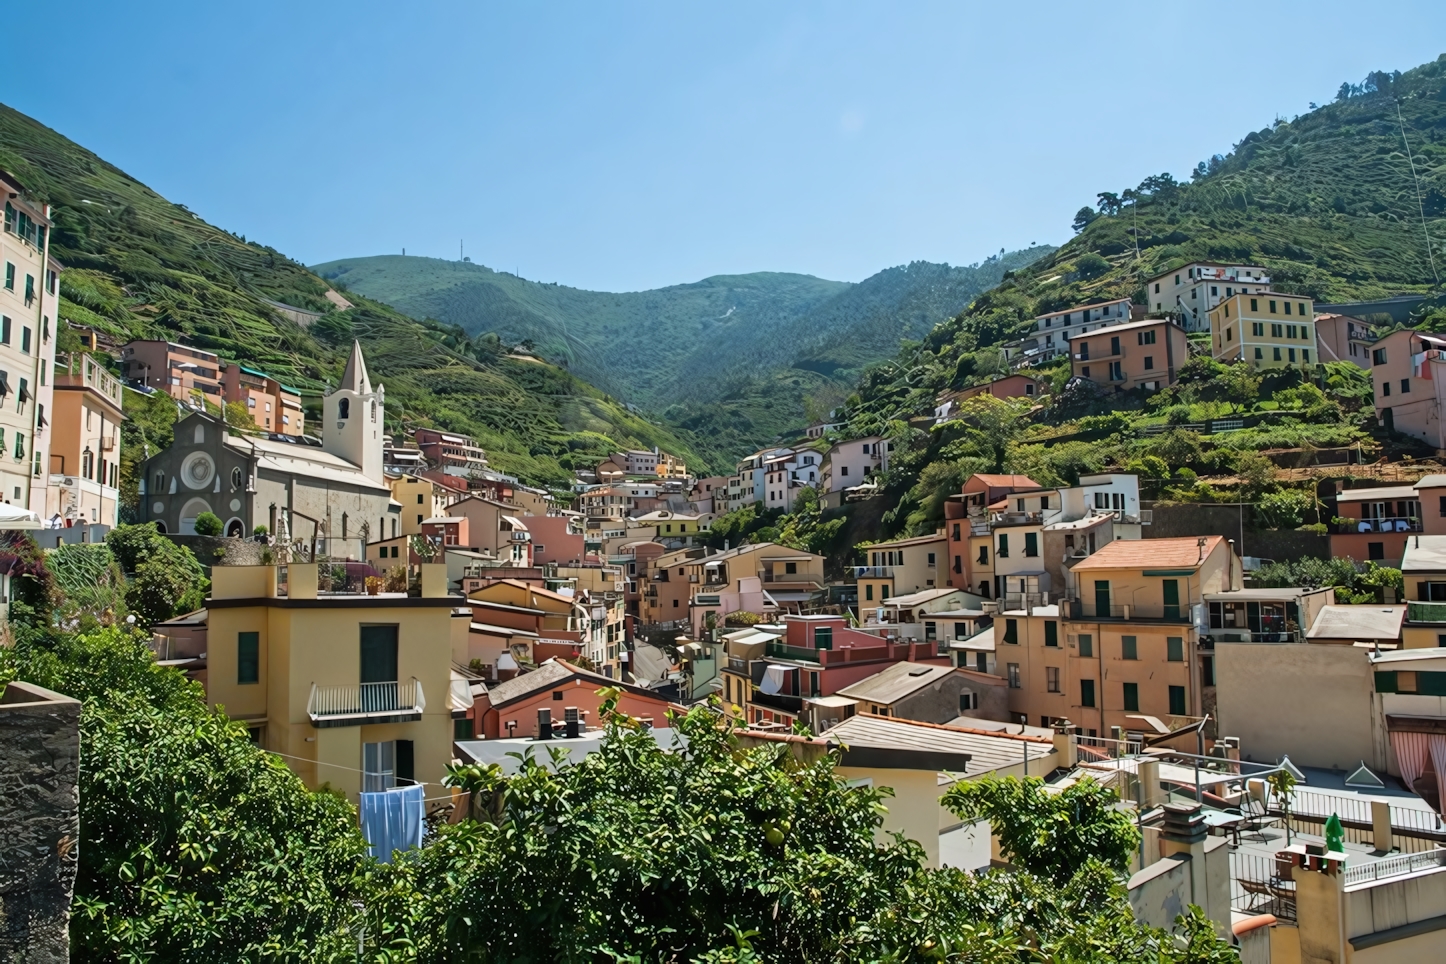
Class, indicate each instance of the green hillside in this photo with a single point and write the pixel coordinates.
(1327, 202)
(733, 358)
(141, 266)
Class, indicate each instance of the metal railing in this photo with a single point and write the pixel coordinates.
(395, 698)
(1080, 609)
(873, 572)
(1261, 885)
(1395, 866)
(1391, 524)
(1246, 636)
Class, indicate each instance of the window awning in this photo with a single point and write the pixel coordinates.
(4, 383)
(773, 678)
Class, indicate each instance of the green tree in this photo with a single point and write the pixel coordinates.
(195, 844)
(165, 579)
(1052, 835)
(1090, 265)
(992, 423)
(208, 524)
(239, 418)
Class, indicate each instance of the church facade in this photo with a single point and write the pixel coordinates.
(333, 494)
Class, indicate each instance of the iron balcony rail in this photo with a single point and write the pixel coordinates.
(1247, 636)
(873, 572)
(1396, 866)
(1391, 524)
(354, 704)
(1080, 609)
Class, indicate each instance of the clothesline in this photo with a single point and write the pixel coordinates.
(338, 766)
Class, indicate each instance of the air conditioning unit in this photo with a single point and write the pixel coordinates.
(68, 481)
(107, 443)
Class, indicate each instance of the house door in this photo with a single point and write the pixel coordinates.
(1388, 420)
(1102, 599)
(1172, 598)
(378, 668)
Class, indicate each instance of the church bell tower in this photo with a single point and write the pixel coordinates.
(353, 418)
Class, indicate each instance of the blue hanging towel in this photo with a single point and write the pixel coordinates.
(392, 820)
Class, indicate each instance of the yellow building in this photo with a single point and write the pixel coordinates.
(1266, 329)
(354, 690)
(902, 566)
(420, 499)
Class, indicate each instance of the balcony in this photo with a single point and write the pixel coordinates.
(359, 704)
(873, 572)
(1248, 636)
(1377, 525)
(1080, 609)
(1426, 612)
(777, 701)
(707, 599)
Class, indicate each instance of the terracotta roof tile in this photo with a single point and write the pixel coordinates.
(1182, 553)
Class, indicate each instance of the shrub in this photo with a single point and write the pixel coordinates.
(208, 524)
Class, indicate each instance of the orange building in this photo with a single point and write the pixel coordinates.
(1140, 354)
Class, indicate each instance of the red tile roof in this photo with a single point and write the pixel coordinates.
(1003, 481)
(1184, 553)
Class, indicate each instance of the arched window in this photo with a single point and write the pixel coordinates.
(343, 408)
(199, 435)
(343, 525)
(160, 527)
(374, 410)
(87, 464)
(160, 482)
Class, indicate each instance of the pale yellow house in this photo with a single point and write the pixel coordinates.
(352, 690)
(420, 499)
(902, 566)
(1264, 329)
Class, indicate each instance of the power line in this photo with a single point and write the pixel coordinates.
(1420, 203)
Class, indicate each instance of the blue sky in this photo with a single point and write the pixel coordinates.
(621, 146)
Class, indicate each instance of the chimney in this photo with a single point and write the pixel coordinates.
(572, 722)
(1231, 563)
(1151, 794)
(544, 725)
(1066, 754)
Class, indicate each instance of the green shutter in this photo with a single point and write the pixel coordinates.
(248, 658)
(1132, 697)
(1086, 644)
(1177, 701)
(1086, 692)
(1129, 648)
(1011, 631)
(1051, 633)
(1175, 649)
(1385, 682)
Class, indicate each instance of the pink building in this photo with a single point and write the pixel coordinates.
(557, 539)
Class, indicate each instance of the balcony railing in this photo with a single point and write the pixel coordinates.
(1426, 612)
(707, 599)
(1377, 525)
(1396, 866)
(1081, 609)
(356, 704)
(873, 572)
(778, 701)
(1246, 636)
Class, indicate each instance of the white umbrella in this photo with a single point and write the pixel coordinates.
(14, 517)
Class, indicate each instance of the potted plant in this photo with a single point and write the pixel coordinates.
(374, 585)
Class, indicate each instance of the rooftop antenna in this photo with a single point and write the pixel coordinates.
(1420, 204)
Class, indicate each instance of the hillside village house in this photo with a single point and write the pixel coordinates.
(272, 406)
(1324, 718)
(1010, 386)
(450, 453)
(1123, 644)
(1408, 369)
(85, 445)
(966, 518)
(1138, 354)
(763, 578)
(420, 499)
(186, 374)
(785, 673)
(331, 498)
(787, 474)
(929, 693)
(1343, 338)
(848, 464)
(354, 690)
(566, 692)
(1191, 290)
(702, 499)
(1377, 523)
(1266, 329)
(901, 566)
(29, 299)
(1052, 332)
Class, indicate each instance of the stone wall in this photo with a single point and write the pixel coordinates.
(40, 817)
(1175, 520)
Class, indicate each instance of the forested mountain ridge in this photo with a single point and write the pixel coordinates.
(731, 357)
(139, 266)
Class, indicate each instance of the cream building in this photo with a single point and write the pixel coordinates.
(1265, 329)
(354, 690)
